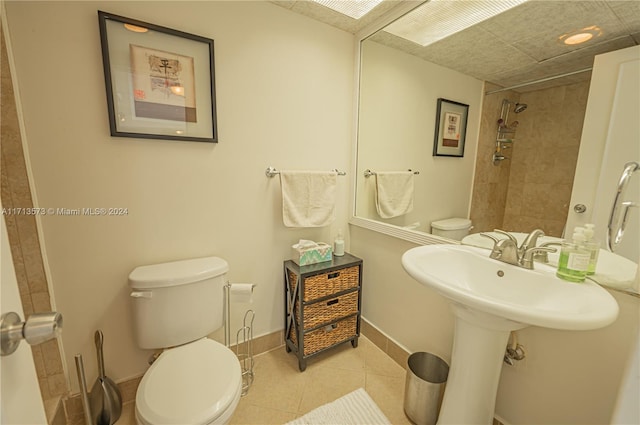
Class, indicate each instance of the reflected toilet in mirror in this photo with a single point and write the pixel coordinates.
(451, 228)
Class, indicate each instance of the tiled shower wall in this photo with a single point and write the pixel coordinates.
(491, 182)
(23, 234)
(544, 159)
(532, 189)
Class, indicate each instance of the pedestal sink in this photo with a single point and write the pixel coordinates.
(490, 299)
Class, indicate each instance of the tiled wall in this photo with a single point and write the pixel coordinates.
(23, 235)
(491, 182)
(544, 159)
(532, 189)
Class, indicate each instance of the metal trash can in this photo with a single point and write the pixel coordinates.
(424, 387)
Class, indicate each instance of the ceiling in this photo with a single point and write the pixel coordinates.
(515, 47)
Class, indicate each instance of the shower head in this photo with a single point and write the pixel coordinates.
(519, 107)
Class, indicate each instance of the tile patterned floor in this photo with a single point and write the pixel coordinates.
(281, 393)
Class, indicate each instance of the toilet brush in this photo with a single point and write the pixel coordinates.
(105, 399)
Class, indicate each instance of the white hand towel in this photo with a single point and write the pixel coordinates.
(394, 193)
(308, 198)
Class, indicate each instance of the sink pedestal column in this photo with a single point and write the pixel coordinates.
(479, 345)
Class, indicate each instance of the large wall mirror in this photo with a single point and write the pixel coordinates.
(527, 93)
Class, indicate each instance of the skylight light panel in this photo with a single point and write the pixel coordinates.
(355, 9)
(438, 19)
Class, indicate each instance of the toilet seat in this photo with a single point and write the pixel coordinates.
(196, 383)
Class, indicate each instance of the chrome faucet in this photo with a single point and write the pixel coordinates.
(507, 250)
(530, 241)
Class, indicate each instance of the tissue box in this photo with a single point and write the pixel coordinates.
(305, 255)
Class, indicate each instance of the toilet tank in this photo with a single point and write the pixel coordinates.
(178, 302)
(451, 228)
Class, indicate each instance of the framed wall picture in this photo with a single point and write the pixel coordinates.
(160, 82)
(451, 128)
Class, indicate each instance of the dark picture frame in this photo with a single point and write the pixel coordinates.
(160, 82)
(451, 128)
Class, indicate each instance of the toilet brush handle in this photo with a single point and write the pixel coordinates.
(99, 337)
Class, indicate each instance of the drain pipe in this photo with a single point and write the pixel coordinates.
(514, 352)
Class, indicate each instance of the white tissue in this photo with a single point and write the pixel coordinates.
(303, 243)
(242, 292)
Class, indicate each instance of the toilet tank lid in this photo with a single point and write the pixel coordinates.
(177, 272)
(452, 224)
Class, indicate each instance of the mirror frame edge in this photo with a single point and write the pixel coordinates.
(420, 238)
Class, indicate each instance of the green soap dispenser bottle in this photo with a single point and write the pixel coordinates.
(574, 259)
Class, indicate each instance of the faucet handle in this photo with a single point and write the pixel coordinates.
(498, 246)
(541, 256)
(529, 254)
(507, 234)
(493, 238)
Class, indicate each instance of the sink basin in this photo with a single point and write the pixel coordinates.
(612, 271)
(490, 299)
(466, 275)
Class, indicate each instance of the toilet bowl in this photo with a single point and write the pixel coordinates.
(197, 380)
(451, 228)
(196, 383)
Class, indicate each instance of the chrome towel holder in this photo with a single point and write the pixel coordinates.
(272, 172)
(369, 173)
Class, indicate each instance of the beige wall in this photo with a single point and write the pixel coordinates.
(396, 124)
(284, 95)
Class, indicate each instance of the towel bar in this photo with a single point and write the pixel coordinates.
(369, 173)
(272, 172)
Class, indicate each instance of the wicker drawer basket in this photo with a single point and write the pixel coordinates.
(328, 311)
(325, 284)
(327, 336)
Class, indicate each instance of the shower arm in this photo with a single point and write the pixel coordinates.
(614, 236)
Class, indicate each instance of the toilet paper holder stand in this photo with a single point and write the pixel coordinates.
(244, 340)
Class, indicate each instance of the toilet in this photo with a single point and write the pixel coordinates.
(195, 380)
(451, 228)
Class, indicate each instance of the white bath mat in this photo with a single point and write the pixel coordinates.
(356, 408)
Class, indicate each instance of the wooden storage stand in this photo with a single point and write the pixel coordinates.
(322, 305)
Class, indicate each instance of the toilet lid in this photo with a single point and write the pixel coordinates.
(193, 383)
(452, 224)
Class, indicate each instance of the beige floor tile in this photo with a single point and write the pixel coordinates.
(388, 393)
(128, 416)
(377, 361)
(250, 414)
(327, 384)
(277, 382)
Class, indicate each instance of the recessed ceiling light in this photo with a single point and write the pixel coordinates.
(438, 19)
(355, 9)
(580, 36)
